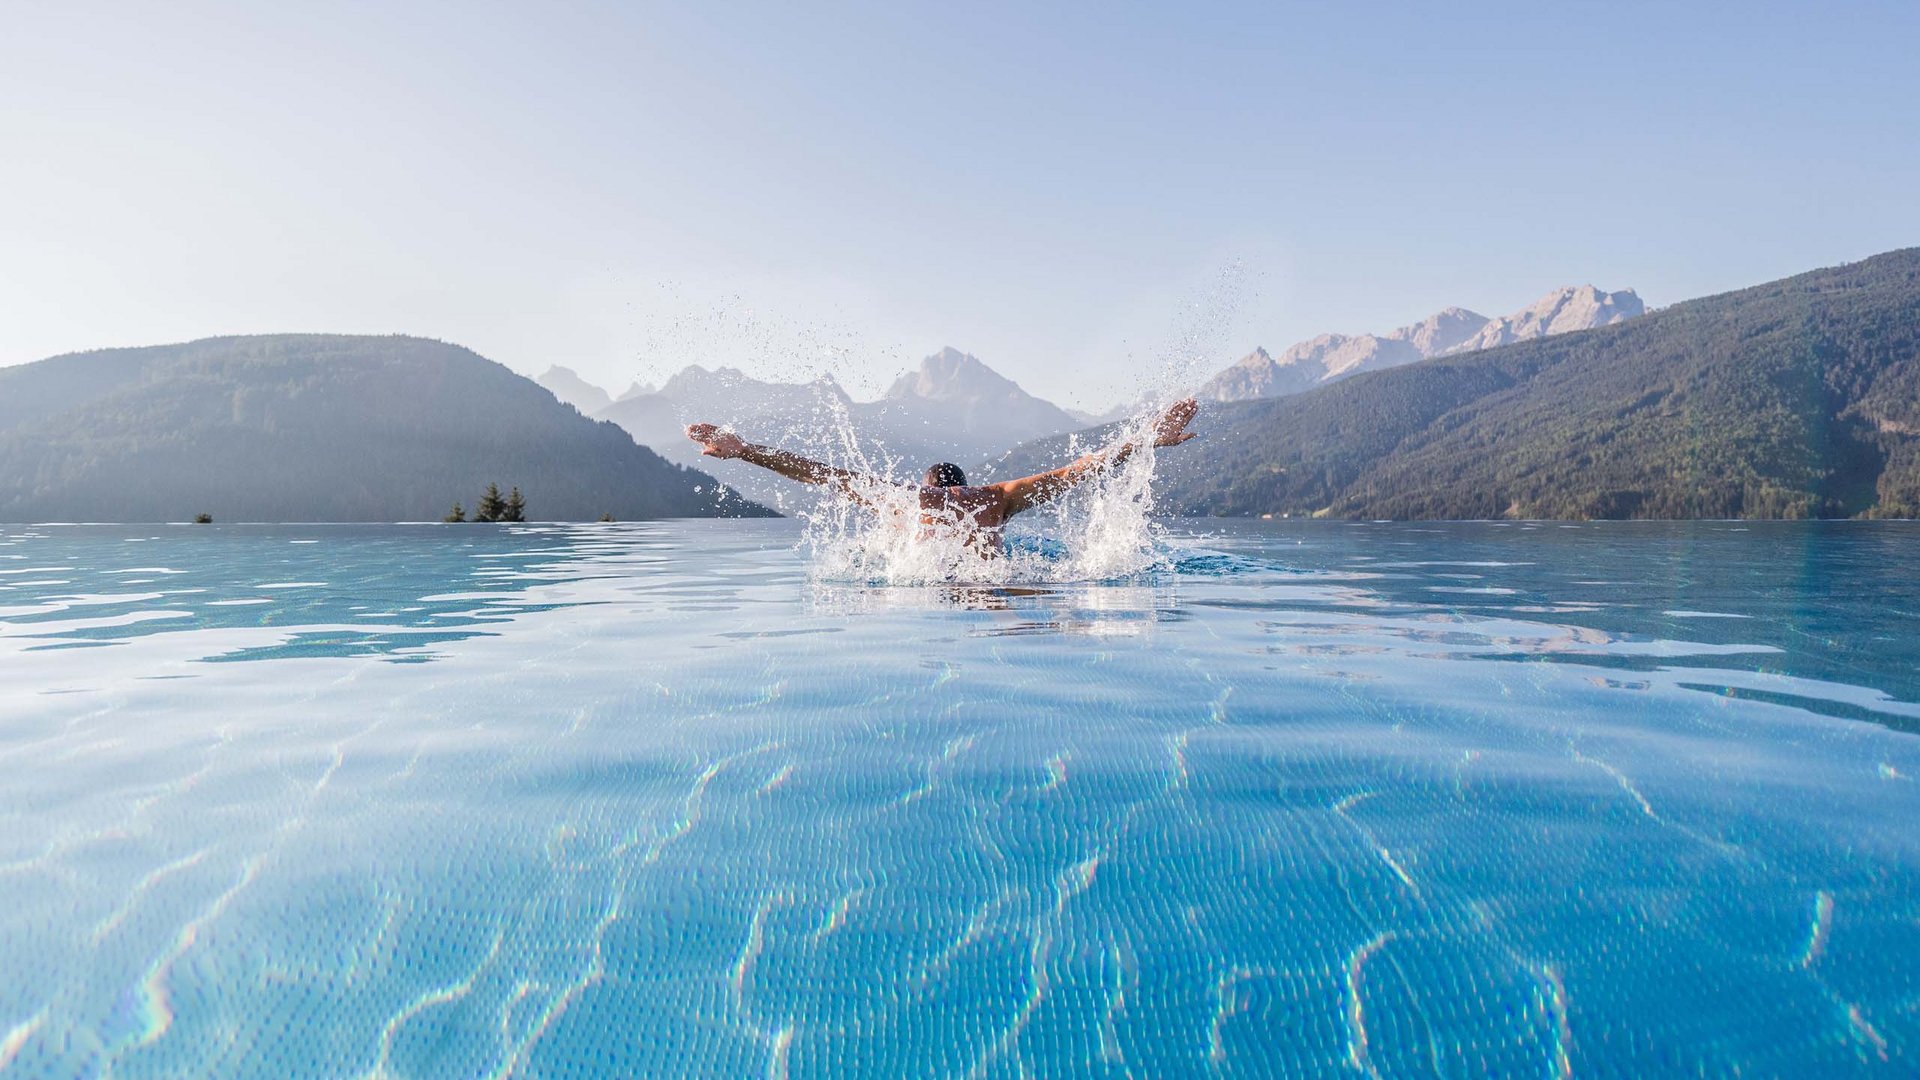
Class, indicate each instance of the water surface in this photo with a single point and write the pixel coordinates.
(469, 801)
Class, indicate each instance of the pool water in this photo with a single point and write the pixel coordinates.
(1309, 799)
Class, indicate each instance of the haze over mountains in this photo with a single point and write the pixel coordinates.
(567, 385)
(951, 408)
(314, 427)
(1329, 357)
(953, 392)
(1797, 398)
(955, 407)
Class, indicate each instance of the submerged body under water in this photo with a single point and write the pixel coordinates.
(1290, 799)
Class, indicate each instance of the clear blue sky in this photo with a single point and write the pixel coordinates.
(1068, 191)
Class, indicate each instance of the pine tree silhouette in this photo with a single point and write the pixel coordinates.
(491, 505)
(516, 508)
(458, 513)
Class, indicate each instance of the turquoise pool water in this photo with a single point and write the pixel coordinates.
(1315, 799)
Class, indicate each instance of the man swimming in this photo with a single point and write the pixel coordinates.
(947, 501)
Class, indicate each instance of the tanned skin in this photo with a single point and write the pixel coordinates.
(983, 510)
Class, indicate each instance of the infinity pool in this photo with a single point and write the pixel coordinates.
(1314, 799)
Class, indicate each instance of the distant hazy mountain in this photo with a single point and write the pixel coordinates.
(955, 400)
(1798, 398)
(951, 408)
(726, 396)
(1089, 418)
(795, 414)
(314, 427)
(1330, 357)
(568, 386)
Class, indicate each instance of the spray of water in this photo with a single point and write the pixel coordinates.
(1103, 530)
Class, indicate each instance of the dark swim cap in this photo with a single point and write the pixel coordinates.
(946, 474)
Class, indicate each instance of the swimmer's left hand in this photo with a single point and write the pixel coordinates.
(1171, 428)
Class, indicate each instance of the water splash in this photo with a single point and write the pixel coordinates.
(1102, 530)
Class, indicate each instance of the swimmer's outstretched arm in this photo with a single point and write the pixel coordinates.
(719, 443)
(1031, 491)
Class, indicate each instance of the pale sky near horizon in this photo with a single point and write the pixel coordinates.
(1075, 193)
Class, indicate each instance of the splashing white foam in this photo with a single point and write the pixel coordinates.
(1100, 531)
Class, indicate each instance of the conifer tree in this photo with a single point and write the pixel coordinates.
(457, 514)
(516, 507)
(491, 505)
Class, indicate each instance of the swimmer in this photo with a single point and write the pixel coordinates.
(947, 502)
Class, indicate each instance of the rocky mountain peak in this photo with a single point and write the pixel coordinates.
(1562, 311)
(951, 375)
(567, 385)
(1448, 331)
(1442, 331)
(697, 383)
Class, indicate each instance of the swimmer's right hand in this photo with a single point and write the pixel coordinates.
(716, 442)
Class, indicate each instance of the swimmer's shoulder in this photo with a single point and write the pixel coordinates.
(972, 498)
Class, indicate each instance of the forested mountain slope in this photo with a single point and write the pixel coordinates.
(1798, 398)
(314, 427)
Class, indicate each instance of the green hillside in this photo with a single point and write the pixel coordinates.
(314, 427)
(1798, 398)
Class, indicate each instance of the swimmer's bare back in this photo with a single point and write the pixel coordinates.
(979, 512)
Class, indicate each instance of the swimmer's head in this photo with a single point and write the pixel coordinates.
(946, 474)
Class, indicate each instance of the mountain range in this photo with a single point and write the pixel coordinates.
(1329, 357)
(1794, 399)
(315, 427)
(1797, 398)
(952, 407)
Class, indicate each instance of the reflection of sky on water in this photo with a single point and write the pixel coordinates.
(382, 594)
(432, 801)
